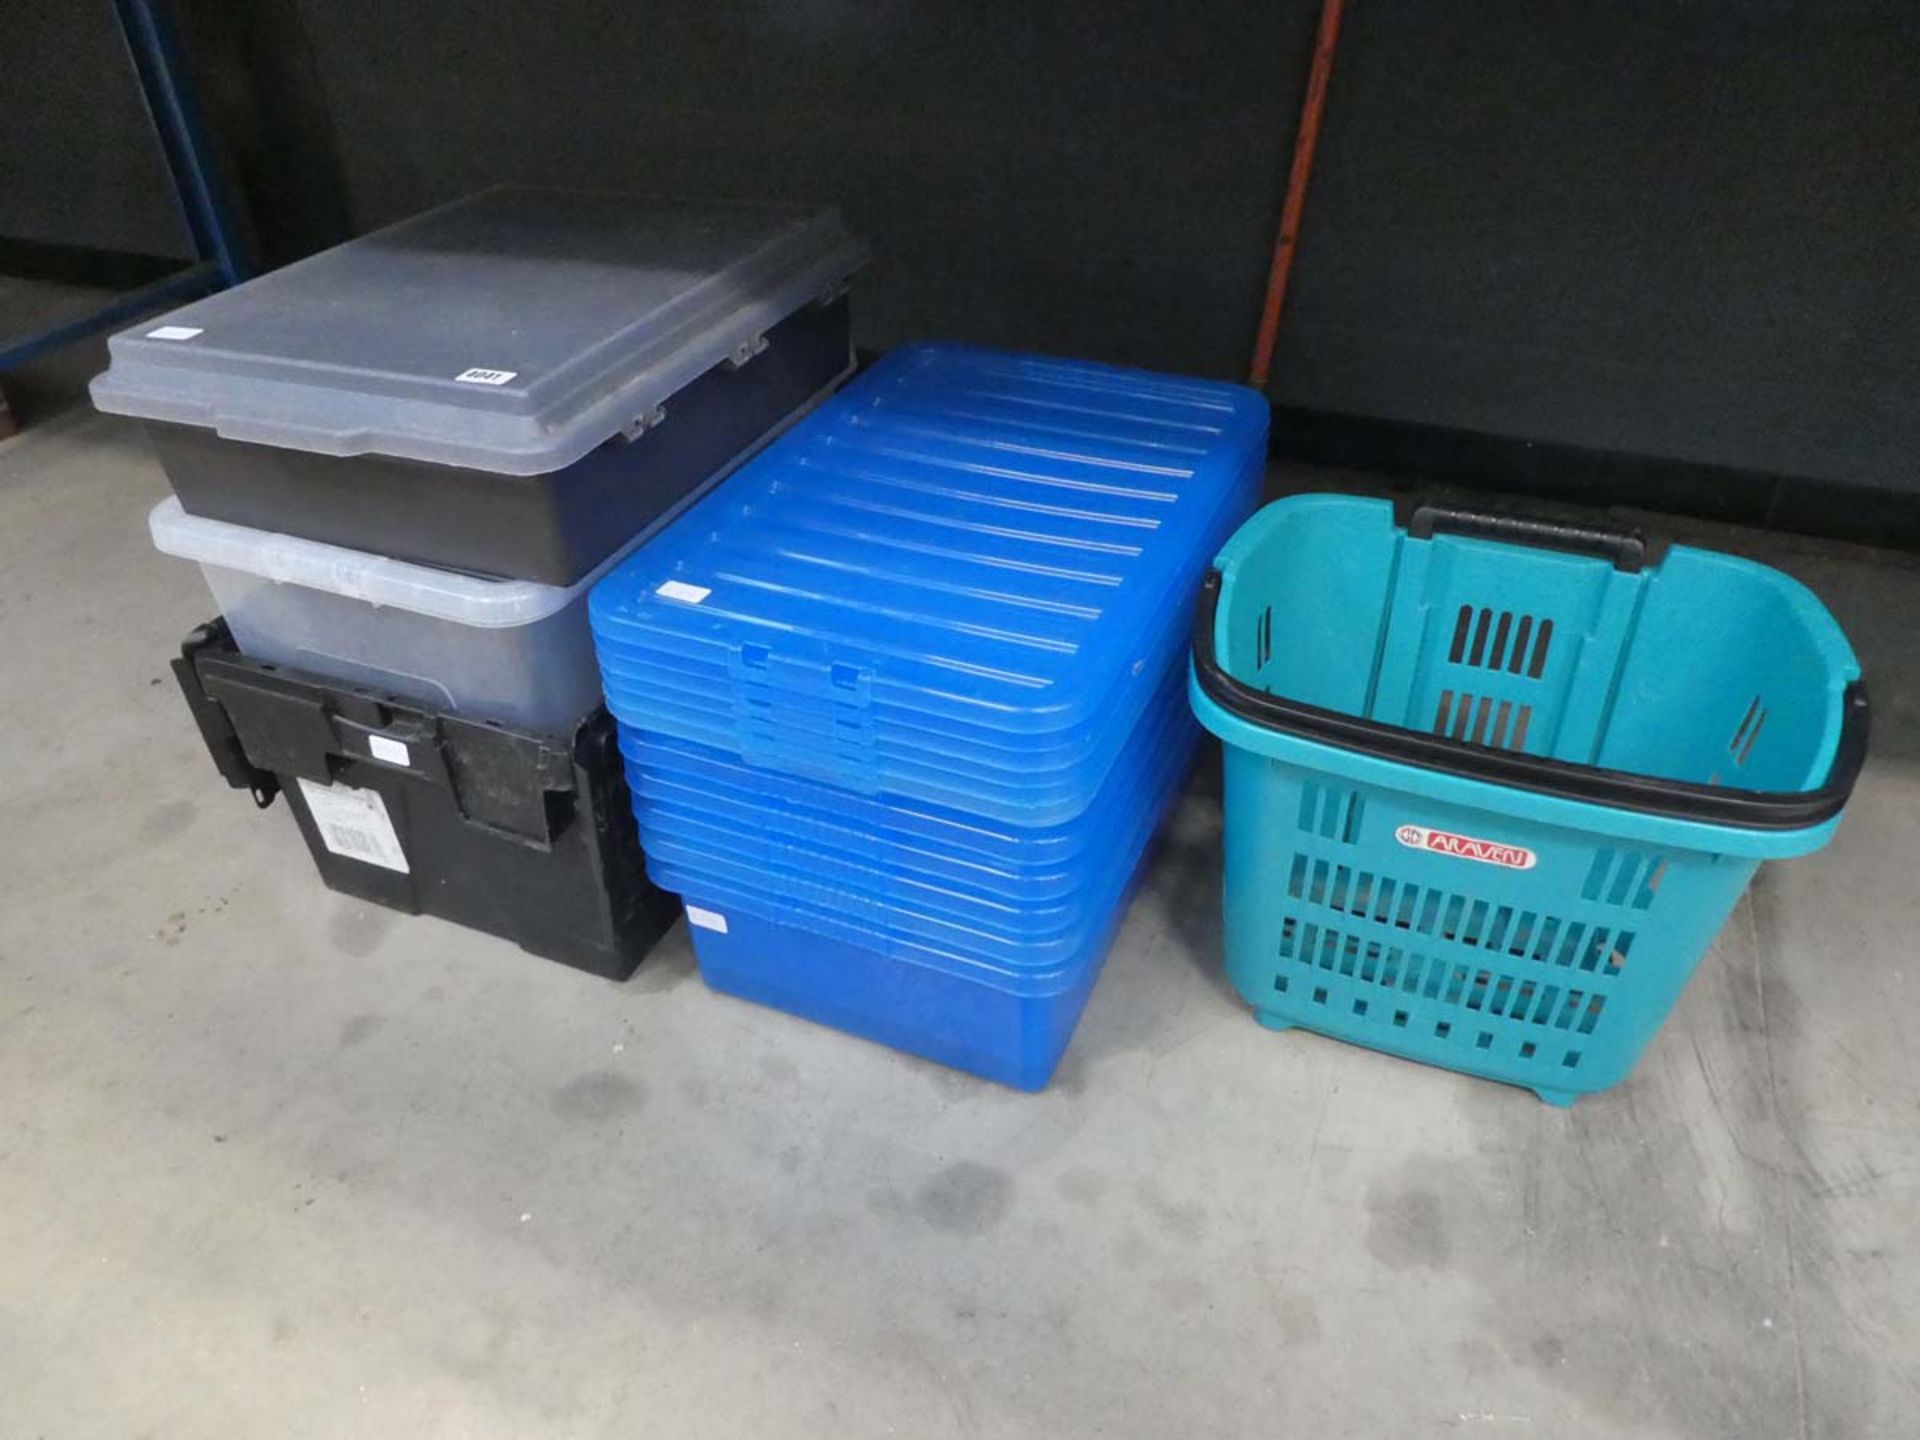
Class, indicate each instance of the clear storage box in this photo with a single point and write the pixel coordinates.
(509, 385)
(511, 651)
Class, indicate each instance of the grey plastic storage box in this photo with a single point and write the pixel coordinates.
(512, 385)
(509, 651)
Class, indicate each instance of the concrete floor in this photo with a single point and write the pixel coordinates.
(274, 1163)
(29, 307)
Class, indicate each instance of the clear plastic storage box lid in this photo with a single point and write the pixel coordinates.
(475, 600)
(510, 332)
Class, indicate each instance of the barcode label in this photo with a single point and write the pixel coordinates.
(350, 841)
(478, 376)
(354, 823)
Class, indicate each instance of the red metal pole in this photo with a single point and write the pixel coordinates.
(1303, 144)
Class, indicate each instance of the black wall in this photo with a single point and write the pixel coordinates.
(1682, 233)
(78, 161)
(1687, 231)
(1089, 179)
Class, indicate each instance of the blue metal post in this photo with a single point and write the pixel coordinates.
(153, 47)
(220, 253)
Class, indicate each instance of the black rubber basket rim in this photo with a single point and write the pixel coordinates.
(1563, 779)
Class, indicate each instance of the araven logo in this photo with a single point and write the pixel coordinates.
(1465, 847)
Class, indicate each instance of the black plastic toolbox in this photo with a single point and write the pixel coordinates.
(524, 836)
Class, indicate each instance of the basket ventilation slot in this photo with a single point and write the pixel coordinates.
(1627, 878)
(1330, 812)
(1741, 746)
(1481, 720)
(1479, 924)
(1540, 1004)
(1500, 640)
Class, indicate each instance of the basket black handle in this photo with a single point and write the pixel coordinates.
(1627, 549)
(1621, 790)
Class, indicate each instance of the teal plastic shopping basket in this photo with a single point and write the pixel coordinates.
(1494, 783)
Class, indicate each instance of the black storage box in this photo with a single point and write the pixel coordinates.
(524, 836)
(551, 528)
(514, 385)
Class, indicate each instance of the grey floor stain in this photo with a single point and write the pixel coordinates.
(1297, 1317)
(693, 1090)
(358, 930)
(954, 1085)
(948, 1083)
(1186, 875)
(358, 1029)
(1183, 1292)
(1081, 1186)
(1185, 1221)
(765, 1296)
(489, 1357)
(1133, 1250)
(166, 822)
(1407, 1228)
(1071, 1076)
(1696, 1281)
(599, 1095)
(778, 1070)
(661, 971)
(966, 1198)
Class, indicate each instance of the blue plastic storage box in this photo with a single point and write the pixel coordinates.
(903, 701)
(1493, 784)
(916, 981)
(993, 989)
(956, 580)
(980, 909)
(987, 872)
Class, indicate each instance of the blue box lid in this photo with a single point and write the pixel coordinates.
(991, 543)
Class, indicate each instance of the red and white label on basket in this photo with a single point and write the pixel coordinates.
(1466, 847)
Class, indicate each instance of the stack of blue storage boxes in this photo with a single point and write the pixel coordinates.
(903, 701)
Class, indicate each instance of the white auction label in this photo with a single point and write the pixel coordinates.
(174, 332)
(480, 376)
(354, 823)
(385, 747)
(680, 590)
(707, 919)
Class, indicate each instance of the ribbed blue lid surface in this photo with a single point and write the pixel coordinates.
(905, 909)
(1022, 872)
(996, 549)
